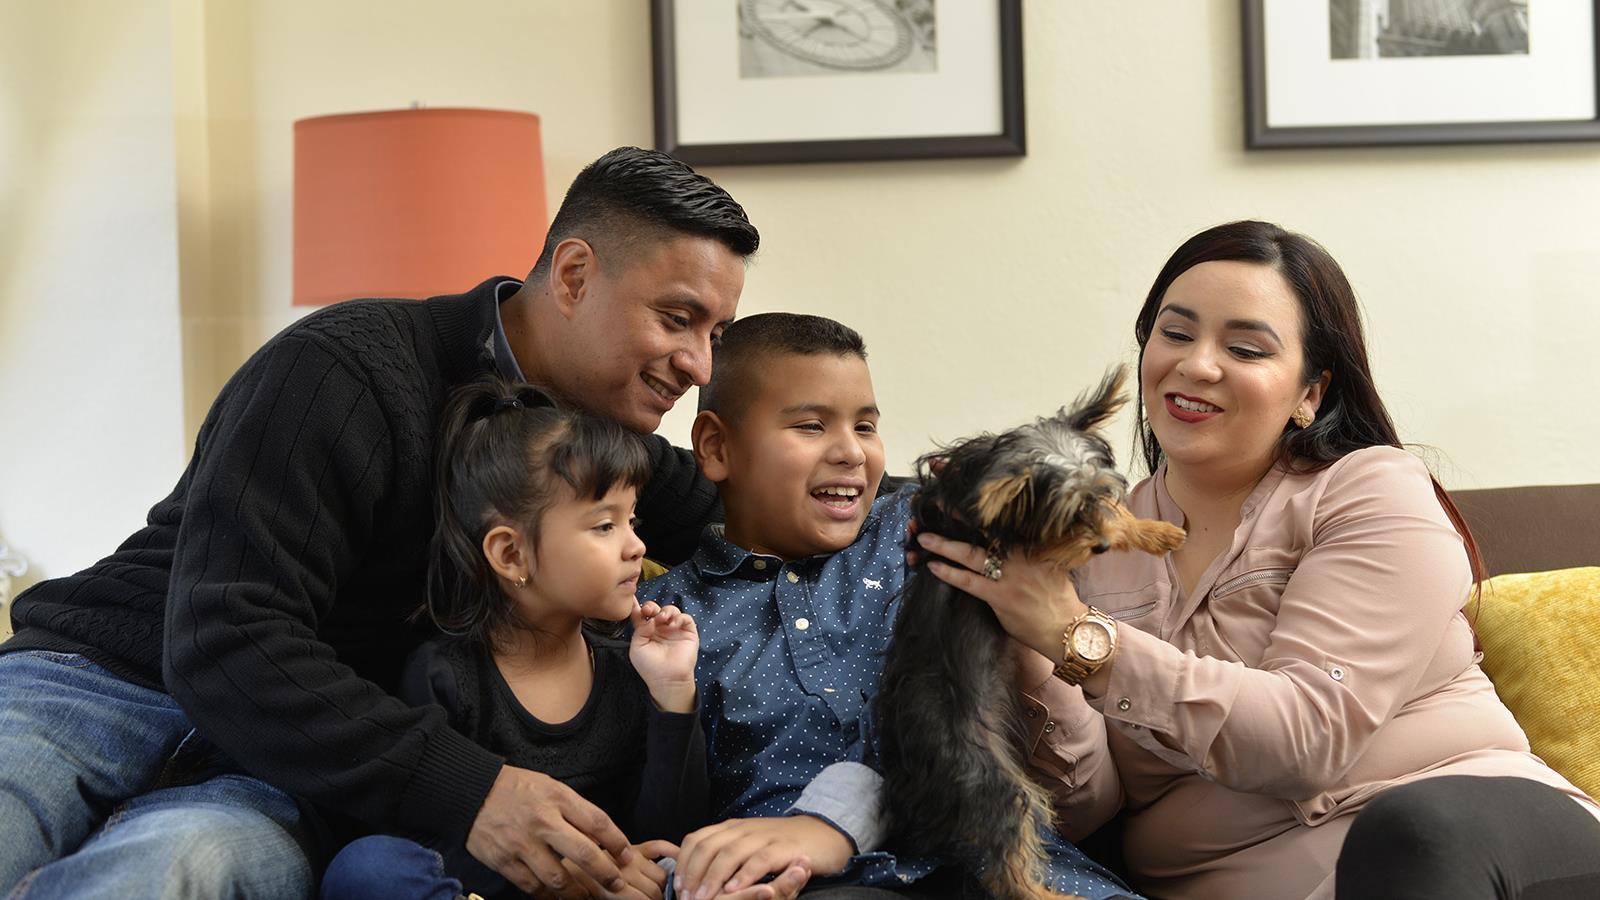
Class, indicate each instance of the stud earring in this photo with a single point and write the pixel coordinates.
(522, 582)
(1302, 417)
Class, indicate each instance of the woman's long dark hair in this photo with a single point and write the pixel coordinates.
(1351, 415)
(503, 451)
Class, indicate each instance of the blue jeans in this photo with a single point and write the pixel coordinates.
(382, 867)
(82, 812)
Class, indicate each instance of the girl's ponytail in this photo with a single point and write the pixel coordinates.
(477, 459)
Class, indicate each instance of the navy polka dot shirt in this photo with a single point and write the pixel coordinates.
(790, 654)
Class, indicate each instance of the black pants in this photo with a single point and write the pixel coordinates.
(1464, 838)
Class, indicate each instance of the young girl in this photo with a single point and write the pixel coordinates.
(535, 538)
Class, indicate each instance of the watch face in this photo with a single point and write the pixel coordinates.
(837, 34)
(1091, 641)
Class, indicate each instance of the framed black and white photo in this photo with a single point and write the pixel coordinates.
(1324, 73)
(780, 81)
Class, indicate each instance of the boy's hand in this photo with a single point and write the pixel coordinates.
(665, 644)
(734, 855)
(787, 886)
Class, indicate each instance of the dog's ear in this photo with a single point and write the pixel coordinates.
(998, 498)
(1089, 412)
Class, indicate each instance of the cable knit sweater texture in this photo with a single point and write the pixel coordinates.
(269, 592)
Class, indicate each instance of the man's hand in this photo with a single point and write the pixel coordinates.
(732, 856)
(645, 878)
(531, 822)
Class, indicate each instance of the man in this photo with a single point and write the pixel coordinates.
(163, 708)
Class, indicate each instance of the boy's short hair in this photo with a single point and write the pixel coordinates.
(750, 342)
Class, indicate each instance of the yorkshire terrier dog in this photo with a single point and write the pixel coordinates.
(951, 726)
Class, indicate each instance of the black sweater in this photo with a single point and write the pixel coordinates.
(269, 592)
(644, 767)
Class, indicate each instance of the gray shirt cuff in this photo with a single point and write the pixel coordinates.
(848, 796)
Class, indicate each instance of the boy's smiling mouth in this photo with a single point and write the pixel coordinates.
(839, 500)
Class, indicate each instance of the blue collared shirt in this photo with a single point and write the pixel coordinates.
(790, 657)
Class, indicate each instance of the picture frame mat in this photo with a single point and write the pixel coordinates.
(1555, 82)
(716, 106)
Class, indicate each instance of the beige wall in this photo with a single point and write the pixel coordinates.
(91, 424)
(993, 290)
(988, 290)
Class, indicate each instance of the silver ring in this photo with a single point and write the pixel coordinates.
(991, 567)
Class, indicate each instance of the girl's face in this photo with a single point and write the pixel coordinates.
(1222, 370)
(587, 561)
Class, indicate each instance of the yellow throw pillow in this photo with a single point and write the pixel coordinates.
(1541, 647)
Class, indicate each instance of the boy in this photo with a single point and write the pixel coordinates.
(795, 600)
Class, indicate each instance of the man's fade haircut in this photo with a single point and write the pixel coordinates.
(632, 197)
(749, 344)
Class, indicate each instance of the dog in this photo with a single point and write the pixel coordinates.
(950, 724)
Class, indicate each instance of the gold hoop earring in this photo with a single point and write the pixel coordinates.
(1302, 417)
(522, 582)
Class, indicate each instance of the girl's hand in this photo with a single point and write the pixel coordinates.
(1033, 600)
(665, 645)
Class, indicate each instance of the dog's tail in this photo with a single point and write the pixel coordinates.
(952, 742)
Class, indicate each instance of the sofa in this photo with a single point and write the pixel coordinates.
(1534, 529)
(1538, 618)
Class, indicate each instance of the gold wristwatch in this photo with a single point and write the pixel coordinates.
(1088, 643)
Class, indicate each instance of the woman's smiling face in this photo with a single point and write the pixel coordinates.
(1223, 369)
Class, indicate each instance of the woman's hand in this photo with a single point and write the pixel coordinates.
(663, 651)
(1034, 600)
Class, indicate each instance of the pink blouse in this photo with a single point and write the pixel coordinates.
(1321, 659)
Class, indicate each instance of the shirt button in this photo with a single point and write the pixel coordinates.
(1124, 704)
(1336, 673)
(802, 623)
(759, 564)
(1033, 713)
(793, 578)
(1049, 727)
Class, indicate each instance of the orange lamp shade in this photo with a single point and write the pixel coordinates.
(414, 202)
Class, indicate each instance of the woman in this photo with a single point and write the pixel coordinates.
(1305, 651)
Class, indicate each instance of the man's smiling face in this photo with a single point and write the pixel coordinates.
(644, 326)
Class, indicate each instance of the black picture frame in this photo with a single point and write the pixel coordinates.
(1262, 135)
(1010, 141)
